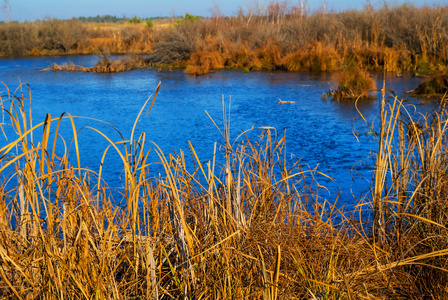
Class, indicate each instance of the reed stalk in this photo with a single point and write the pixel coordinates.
(259, 227)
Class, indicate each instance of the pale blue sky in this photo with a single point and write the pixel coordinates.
(31, 10)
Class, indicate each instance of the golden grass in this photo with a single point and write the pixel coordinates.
(202, 62)
(353, 83)
(256, 228)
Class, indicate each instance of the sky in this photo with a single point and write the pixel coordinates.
(30, 10)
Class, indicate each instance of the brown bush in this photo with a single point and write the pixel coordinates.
(61, 35)
(68, 34)
(352, 84)
(270, 55)
(105, 65)
(437, 85)
(176, 45)
(18, 39)
(204, 62)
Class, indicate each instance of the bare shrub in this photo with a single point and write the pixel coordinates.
(131, 35)
(18, 39)
(353, 83)
(68, 34)
(176, 45)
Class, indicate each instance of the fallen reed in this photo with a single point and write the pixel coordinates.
(256, 226)
(105, 65)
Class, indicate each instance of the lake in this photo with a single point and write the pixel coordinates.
(317, 131)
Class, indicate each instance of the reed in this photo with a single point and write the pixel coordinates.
(202, 62)
(105, 65)
(257, 227)
(353, 83)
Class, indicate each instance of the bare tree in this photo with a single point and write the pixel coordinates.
(173, 14)
(295, 11)
(304, 4)
(283, 7)
(276, 10)
(368, 7)
(6, 7)
(272, 10)
(250, 10)
(240, 14)
(216, 12)
(260, 11)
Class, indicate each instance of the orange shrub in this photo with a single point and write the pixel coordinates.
(270, 55)
(314, 57)
(354, 83)
(204, 62)
(102, 42)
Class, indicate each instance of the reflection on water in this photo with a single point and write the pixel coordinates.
(327, 134)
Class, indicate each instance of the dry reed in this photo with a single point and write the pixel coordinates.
(257, 228)
(353, 83)
(105, 65)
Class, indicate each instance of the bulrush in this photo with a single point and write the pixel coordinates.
(257, 227)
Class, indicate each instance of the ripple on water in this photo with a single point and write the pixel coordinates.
(320, 132)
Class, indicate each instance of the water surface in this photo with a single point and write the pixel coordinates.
(319, 132)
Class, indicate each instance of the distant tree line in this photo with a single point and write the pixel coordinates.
(102, 19)
(114, 19)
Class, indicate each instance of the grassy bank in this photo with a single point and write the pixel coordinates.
(275, 37)
(255, 227)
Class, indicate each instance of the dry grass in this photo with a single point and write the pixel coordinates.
(204, 62)
(353, 83)
(105, 65)
(394, 39)
(255, 228)
(391, 38)
(435, 86)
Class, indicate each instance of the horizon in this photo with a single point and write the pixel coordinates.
(25, 10)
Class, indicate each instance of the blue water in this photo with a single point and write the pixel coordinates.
(318, 132)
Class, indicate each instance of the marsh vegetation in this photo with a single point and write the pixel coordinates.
(352, 84)
(105, 65)
(248, 222)
(275, 37)
(433, 87)
(254, 227)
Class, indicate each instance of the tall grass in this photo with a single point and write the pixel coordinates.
(354, 83)
(257, 227)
